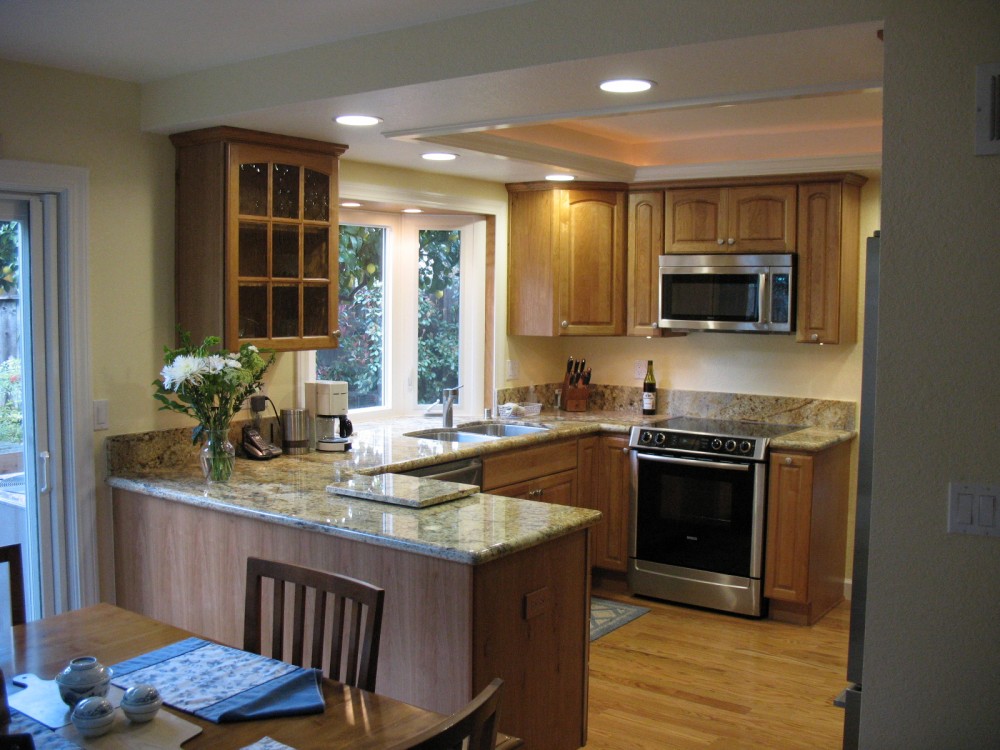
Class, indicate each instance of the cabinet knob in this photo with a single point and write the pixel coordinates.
(814, 337)
(335, 332)
(655, 324)
(788, 461)
(565, 324)
(731, 241)
(721, 241)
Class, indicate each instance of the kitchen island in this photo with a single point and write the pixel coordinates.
(476, 588)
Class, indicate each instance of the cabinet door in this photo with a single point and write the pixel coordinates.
(696, 220)
(761, 219)
(789, 522)
(531, 284)
(559, 489)
(645, 245)
(828, 266)
(613, 478)
(282, 249)
(591, 263)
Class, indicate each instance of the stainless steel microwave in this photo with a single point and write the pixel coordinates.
(727, 292)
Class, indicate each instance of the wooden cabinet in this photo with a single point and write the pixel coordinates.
(749, 219)
(645, 245)
(566, 260)
(257, 238)
(806, 533)
(828, 248)
(543, 470)
(604, 485)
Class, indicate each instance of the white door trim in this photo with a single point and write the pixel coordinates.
(70, 186)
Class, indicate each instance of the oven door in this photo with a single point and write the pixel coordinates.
(697, 530)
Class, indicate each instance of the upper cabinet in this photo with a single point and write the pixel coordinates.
(566, 260)
(645, 245)
(751, 219)
(257, 238)
(828, 247)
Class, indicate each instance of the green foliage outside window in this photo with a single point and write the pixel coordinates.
(438, 313)
(9, 255)
(11, 415)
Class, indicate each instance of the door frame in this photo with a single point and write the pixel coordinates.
(75, 575)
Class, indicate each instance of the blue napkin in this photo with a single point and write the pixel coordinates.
(295, 694)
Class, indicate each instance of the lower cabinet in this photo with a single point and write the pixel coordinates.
(553, 488)
(546, 472)
(806, 533)
(604, 486)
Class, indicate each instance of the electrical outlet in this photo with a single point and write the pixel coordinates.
(639, 369)
(513, 369)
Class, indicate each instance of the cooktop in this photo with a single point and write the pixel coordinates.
(725, 427)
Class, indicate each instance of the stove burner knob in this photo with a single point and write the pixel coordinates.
(746, 446)
(645, 437)
(730, 446)
(716, 444)
(660, 438)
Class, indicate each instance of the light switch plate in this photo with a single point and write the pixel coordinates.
(639, 369)
(974, 509)
(513, 369)
(101, 414)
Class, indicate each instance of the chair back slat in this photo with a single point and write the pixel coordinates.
(11, 554)
(350, 634)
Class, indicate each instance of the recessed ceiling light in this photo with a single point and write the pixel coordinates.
(560, 177)
(439, 156)
(350, 204)
(626, 85)
(358, 120)
(412, 211)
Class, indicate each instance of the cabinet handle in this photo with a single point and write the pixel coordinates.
(721, 241)
(731, 241)
(565, 324)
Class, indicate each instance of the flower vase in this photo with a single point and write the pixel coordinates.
(217, 456)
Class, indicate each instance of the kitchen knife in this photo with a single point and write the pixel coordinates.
(569, 365)
(586, 377)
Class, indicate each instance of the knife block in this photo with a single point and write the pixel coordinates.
(574, 397)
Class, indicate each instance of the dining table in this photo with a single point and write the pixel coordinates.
(351, 717)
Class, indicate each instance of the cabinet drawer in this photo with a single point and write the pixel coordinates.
(529, 463)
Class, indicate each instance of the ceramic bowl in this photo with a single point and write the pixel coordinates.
(141, 702)
(84, 677)
(93, 716)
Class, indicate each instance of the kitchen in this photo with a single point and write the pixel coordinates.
(136, 260)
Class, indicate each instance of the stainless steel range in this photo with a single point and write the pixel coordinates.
(699, 489)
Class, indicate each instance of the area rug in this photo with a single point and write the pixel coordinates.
(606, 616)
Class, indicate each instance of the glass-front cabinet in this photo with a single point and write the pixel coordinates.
(257, 238)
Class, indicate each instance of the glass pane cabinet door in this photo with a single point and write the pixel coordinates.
(285, 259)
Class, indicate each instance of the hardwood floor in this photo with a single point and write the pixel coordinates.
(683, 678)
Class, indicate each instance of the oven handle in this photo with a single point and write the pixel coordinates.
(692, 462)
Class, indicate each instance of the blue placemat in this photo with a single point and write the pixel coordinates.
(45, 738)
(221, 684)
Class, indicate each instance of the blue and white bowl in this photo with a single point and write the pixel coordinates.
(141, 702)
(84, 677)
(93, 716)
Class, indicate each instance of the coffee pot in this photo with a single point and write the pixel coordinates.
(327, 401)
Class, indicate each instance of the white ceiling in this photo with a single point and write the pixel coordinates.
(799, 101)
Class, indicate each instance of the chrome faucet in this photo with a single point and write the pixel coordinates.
(448, 396)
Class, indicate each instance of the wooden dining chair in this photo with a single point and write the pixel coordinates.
(477, 723)
(11, 554)
(339, 617)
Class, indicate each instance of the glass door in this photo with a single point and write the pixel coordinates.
(24, 456)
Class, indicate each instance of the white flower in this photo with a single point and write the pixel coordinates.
(215, 363)
(184, 369)
(252, 348)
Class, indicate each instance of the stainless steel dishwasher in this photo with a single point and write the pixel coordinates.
(466, 471)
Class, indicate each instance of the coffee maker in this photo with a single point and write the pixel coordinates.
(326, 400)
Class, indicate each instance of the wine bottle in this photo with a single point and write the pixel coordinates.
(649, 390)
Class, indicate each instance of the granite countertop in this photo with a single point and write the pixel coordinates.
(293, 490)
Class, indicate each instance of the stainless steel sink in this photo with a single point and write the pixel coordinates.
(503, 429)
(477, 433)
(451, 435)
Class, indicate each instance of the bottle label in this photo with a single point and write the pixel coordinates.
(648, 400)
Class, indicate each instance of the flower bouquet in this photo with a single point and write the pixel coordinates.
(210, 385)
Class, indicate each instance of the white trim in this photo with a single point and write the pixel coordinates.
(847, 163)
(70, 185)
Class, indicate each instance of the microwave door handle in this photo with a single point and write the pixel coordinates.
(693, 462)
(764, 301)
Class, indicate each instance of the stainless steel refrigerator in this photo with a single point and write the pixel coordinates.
(852, 696)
